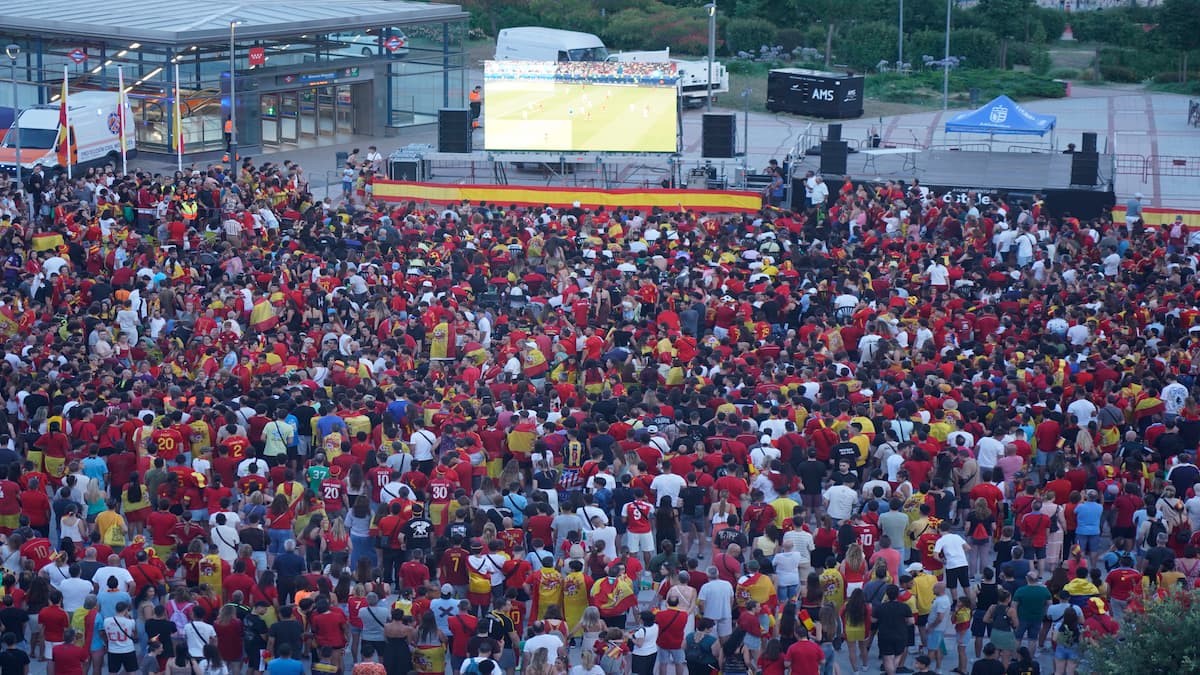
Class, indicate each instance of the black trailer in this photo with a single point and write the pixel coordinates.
(815, 93)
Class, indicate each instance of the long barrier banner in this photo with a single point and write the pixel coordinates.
(1158, 216)
(722, 201)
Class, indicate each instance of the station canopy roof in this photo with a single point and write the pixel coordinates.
(187, 21)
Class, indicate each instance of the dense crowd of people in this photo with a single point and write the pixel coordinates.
(247, 430)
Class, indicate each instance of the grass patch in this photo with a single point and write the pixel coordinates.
(926, 86)
(1191, 88)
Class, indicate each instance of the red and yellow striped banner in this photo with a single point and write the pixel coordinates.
(720, 201)
(1160, 216)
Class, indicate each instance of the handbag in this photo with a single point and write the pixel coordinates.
(385, 542)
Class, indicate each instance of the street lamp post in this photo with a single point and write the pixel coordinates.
(746, 131)
(232, 99)
(900, 42)
(946, 62)
(13, 51)
(712, 50)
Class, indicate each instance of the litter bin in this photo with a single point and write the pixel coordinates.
(342, 158)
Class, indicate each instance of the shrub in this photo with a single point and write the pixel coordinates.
(1063, 74)
(789, 38)
(1122, 74)
(746, 34)
(1041, 62)
(1149, 642)
(863, 45)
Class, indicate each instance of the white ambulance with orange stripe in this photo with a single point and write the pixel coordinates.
(95, 134)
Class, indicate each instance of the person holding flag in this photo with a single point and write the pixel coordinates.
(546, 588)
(614, 597)
(756, 586)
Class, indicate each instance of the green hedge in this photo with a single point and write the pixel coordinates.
(926, 86)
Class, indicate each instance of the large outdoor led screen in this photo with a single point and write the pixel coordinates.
(587, 106)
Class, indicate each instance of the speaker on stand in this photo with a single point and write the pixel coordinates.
(719, 135)
(454, 130)
(833, 156)
(1085, 168)
(1089, 142)
(833, 132)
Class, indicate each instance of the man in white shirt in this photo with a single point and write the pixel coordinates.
(74, 590)
(422, 442)
(953, 550)
(802, 544)
(550, 641)
(1174, 396)
(198, 633)
(226, 538)
(939, 276)
(113, 569)
(120, 638)
(839, 501)
(668, 484)
(820, 191)
(988, 451)
(1083, 410)
(716, 602)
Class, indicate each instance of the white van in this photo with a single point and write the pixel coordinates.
(533, 43)
(95, 127)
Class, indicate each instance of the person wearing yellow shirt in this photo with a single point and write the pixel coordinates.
(940, 429)
(861, 441)
(833, 584)
(1081, 586)
(922, 589)
(112, 526)
(785, 508)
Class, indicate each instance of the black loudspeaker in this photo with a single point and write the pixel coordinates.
(719, 135)
(834, 132)
(833, 157)
(1089, 142)
(454, 130)
(1085, 168)
(407, 169)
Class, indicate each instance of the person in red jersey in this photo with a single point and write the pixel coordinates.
(333, 492)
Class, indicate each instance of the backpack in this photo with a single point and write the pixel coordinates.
(472, 667)
(980, 532)
(1156, 528)
(179, 615)
(1054, 520)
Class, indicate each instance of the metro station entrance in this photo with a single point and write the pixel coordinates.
(314, 114)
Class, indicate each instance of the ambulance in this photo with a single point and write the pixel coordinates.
(95, 126)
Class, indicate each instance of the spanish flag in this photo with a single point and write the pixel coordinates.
(262, 317)
(756, 587)
(534, 363)
(1148, 406)
(47, 241)
(63, 143)
(441, 346)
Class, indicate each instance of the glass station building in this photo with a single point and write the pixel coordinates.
(308, 72)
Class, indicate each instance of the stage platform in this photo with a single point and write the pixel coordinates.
(1024, 171)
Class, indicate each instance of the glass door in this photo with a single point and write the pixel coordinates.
(308, 113)
(289, 109)
(326, 111)
(268, 112)
(344, 105)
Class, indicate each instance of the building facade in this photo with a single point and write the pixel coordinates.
(306, 72)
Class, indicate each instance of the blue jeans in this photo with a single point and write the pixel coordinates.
(360, 548)
(278, 537)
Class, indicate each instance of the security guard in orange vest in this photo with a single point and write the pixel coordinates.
(476, 100)
(189, 210)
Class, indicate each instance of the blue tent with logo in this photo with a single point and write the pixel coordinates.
(1001, 115)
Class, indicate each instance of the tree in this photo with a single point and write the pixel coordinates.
(1005, 18)
(1159, 641)
(1179, 22)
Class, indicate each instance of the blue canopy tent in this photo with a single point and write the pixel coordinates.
(1002, 116)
